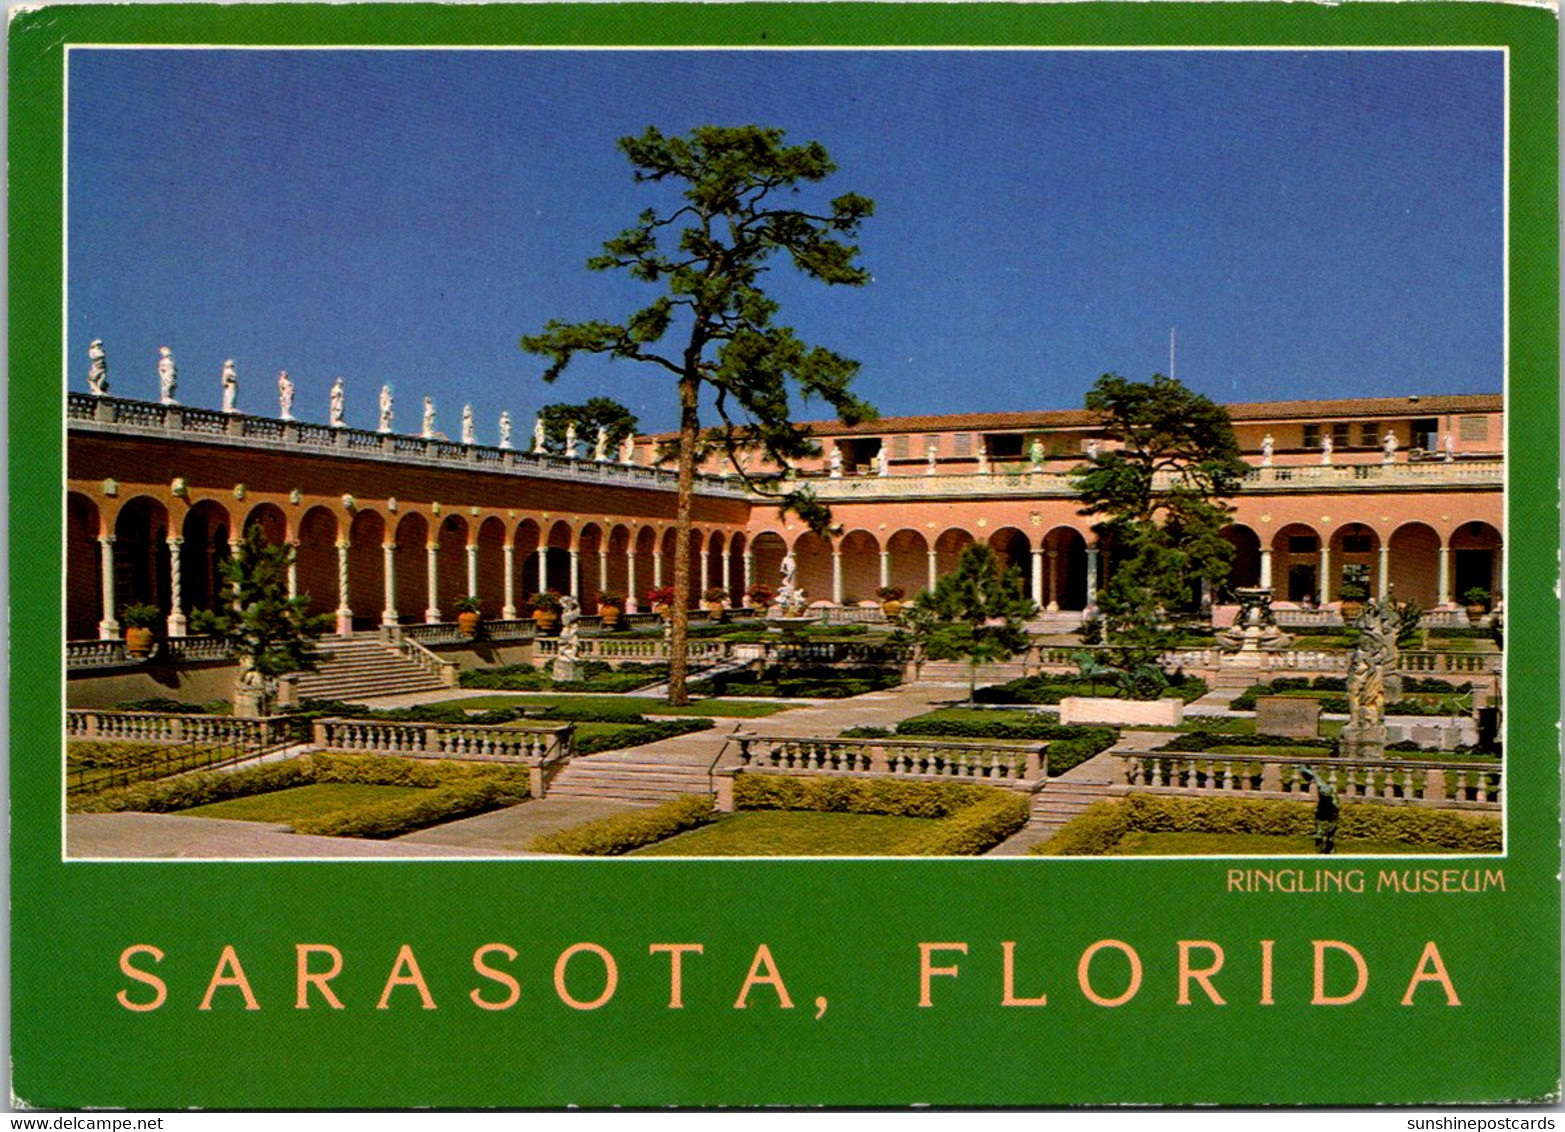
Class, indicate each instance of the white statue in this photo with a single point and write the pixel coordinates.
(468, 435)
(230, 387)
(285, 395)
(836, 463)
(1035, 454)
(1325, 449)
(882, 462)
(932, 453)
(1450, 447)
(1267, 444)
(570, 613)
(339, 405)
(790, 599)
(387, 409)
(983, 458)
(627, 450)
(570, 441)
(790, 567)
(538, 436)
(505, 429)
(1388, 447)
(1094, 446)
(429, 418)
(98, 372)
(168, 376)
(600, 450)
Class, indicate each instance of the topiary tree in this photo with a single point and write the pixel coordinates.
(267, 631)
(974, 613)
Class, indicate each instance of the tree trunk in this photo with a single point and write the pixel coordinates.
(679, 624)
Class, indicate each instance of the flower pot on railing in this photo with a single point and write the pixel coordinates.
(546, 612)
(610, 607)
(138, 621)
(469, 614)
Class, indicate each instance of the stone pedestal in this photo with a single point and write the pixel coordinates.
(249, 703)
(1293, 717)
(1363, 742)
(566, 670)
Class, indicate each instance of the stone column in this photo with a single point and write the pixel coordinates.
(1038, 595)
(388, 582)
(344, 612)
(934, 562)
(657, 565)
(543, 567)
(508, 552)
(728, 574)
(885, 568)
(1443, 595)
(1054, 580)
(431, 583)
(706, 568)
(108, 626)
(1383, 582)
(836, 574)
(603, 568)
(575, 578)
(293, 569)
(1499, 573)
(1325, 573)
(1266, 567)
(1092, 576)
(631, 603)
(176, 611)
(749, 568)
(472, 569)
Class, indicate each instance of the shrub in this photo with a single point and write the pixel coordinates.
(621, 833)
(382, 820)
(389, 770)
(636, 735)
(513, 677)
(167, 706)
(167, 795)
(1206, 740)
(971, 830)
(1093, 833)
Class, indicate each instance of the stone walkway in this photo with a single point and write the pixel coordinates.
(169, 836)
(508, 832)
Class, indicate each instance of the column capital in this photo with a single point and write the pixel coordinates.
(106, 540)
(173, 540)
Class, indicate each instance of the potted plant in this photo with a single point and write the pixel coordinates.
(546, 612)
(138, 621)
(890, 600)
(760, 597)
(716, 599)
(1477, 601)
(468, 614)
(1352, 598)
(610, 606)
(661, 599)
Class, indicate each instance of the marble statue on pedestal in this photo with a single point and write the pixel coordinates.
(627, 450)
(835, 463)
(1325, 449)
(387, 408)
(505, 429)
(284, 395)
(168, 376)
(1267, 444)
(429, 418)
(1035, 454)
(570, 441)
(469, 435)
(1094, 446)
(1450, 447)
(983, 458)
(230, 387)
(1388, 448)
(567, 655)
(338, 417)
(600, 450)
(882, 462)
(538, 435)
(932, 454)
(98, 371)
(1374, 659)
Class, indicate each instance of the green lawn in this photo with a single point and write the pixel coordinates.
(286, 806)
(645, 705)
(790, 833)
(1141, 844)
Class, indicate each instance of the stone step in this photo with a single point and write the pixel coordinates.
(361, 669)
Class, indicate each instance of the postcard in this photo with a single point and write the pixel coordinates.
(769, 554)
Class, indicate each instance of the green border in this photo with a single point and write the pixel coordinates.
(846, 931)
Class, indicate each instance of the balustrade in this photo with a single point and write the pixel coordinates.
(169, 727)
(530, 745)
(1015, 766)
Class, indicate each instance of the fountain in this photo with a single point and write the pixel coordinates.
(1254, 629)
(790, 613)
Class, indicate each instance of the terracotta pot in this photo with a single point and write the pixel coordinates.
(1475, 613)
(1349, 611)
(610, 615)
(467, 624)
(547, 621)
(715, 608)
(891, 609)
(138, 642)
(662, 610)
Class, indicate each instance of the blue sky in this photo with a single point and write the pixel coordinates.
(1315, 224)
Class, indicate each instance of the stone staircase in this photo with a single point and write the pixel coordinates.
(1235, 678)
(357, 668)
(1064, 799)
(624, 776)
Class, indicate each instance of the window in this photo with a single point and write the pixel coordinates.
(1426, 434)
(1341, 434)
(961, 444)
(1007, 446)
(1369, 435)
(1356, 544)
(1356, 574)
(1472, 428)
(1312, 436)
(899, 448)
(1303, 544)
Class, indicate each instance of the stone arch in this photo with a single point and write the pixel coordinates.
(948, 548)
(737, 546)
(450, 565)
(907, 564)
(557, 565)
(620, 547)
(413, 596)
(860, 551)
(206, 532)
(715, 558)
(315, 559)
(1415, 564)
(270, 518)
(812, 557)
(1063, 570)
(526, 541)
(647, 544)
(1244, 570)
(83, 567)
(1013, 550)
(1355, 557)
(592, 565)
(1476, 560)
(491, 565)
(767, 549)
(1296, 564)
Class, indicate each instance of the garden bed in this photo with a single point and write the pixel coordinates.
(646, 705)
(597, 676)
(795, 833)
(819, 682)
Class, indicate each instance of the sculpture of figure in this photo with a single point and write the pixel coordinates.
(570, 613)
(1035, 453)
(790, 598)
(570, 441)
(1326, 812)
(505, 429)
(284, 395)
(882, 462)
(1374, 656)
(429, 418)
(983, 458)
(1388, 446)
(835, 463)
(387, 408)
(338, 406)
(230, 387)
(1094, 446)
(538, 446)
(468, 434)
(168, 376)
(627, 450)
(790, 567)
(98, 372)
(1450, 447)
(1267, 443)
(600, 450)
(932, 453)
(1325, 449)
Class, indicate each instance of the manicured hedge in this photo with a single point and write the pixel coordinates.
(170, 794)
(421, 713)
(808, 682)
(1099, 829)
(637, 734)
(1206, 740)
(382, 820)
(596, 677)
(177, 707)
(389, 770)
(109, 754)
(1052, 689)
(970, 818)
(609, 837)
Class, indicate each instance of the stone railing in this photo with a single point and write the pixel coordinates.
(115, 414)
(105, 654)
(644, 649)
(1456, 663)
(1411, 781)
(1019, 767)
(533, 745)
(1055, 659)
(1413, 476)
(169, 727)
(855, 615)
(446, 671)
(95, 654)
(1306, 618)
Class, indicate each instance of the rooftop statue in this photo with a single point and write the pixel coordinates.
(98, 371)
